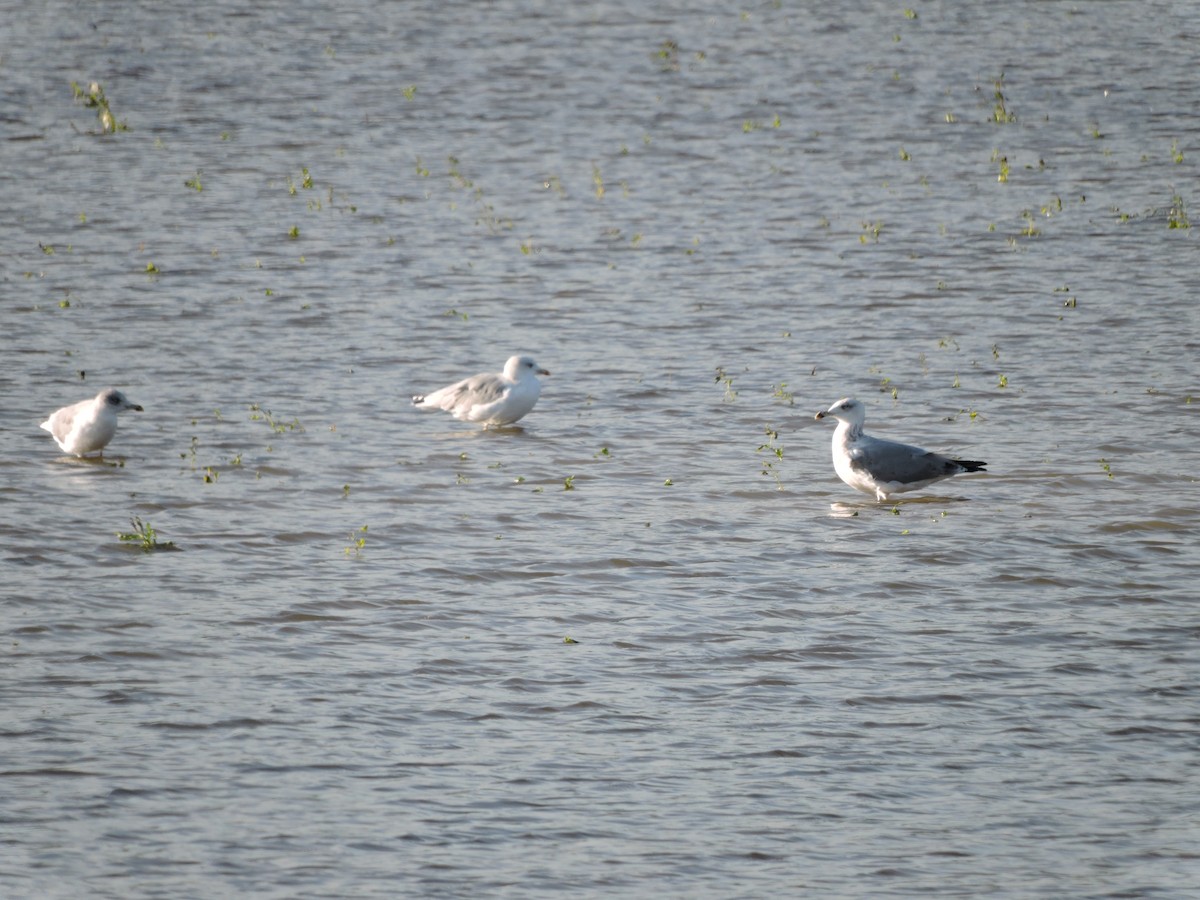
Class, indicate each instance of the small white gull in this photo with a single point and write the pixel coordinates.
(883, 468)
(491, 399)
(89, 425)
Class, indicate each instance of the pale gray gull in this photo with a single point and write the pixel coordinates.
(883, 468)
(87, 427)
(490, 399)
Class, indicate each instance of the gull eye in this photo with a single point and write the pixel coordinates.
(113, 400)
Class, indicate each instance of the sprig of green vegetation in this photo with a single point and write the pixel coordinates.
(668, 56)
(144, 536)
(727, 380)
(93, 98)
(1000, 111)
(259, 414)
(1004, 168)
(1177, 217)
(356, 548)
(773, 448)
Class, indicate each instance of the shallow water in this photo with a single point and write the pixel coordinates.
(707, 225)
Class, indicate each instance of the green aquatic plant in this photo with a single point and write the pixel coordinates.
(94, 98)
(668, 56)
(1106, 467)
(569, 483)
(1004, 168)
(872, 229)
(1176, 153)
(355, 549)
(727, 380)
(144, 535)
(947, 342)
(773, 449)
(1000, 111)
(260, 414)
(194, 183)
(1177, 216)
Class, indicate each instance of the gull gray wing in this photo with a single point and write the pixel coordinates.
(890, 461)
(482, 389)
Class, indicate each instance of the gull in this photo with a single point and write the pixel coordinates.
(491, 399)
(86, 427)
(883, 468)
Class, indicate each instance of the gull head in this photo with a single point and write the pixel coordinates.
(115, 400)
(847, 410)
(519, 367)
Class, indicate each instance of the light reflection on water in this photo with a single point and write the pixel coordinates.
(982, 691)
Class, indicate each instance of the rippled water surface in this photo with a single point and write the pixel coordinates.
(647, 644)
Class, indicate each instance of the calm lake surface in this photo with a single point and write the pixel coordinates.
(647, 644)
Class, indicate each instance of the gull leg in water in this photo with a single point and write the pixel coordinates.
(884, 468)
(88, 426)
(490, 399)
